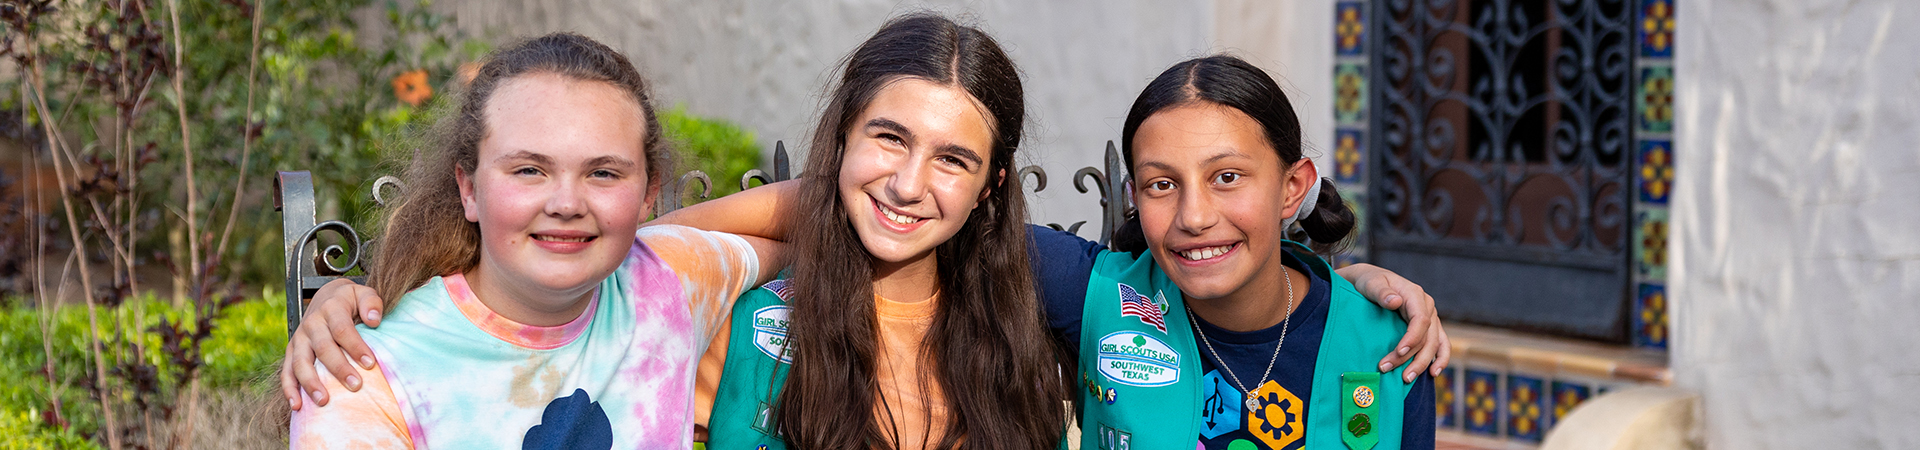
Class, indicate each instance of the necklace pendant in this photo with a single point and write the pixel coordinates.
(1253, 403)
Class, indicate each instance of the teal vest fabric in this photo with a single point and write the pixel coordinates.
(1140, 369)
(756, 367)
(750, 382)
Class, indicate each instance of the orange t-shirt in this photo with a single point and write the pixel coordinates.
(910, 397)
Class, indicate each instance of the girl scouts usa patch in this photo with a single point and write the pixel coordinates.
(1136, 359)
(770, 332)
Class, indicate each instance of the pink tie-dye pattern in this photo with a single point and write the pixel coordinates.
(638, 362)
(529, 336)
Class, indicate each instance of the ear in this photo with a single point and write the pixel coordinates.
(653, 194)
(1300, 178)
(999, 181)
(466, 194)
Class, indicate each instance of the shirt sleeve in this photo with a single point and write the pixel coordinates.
(1062, 262)
(1417, 432)
(714, 269)
(368, 419)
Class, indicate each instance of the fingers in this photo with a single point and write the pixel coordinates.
(331, 355)
(302, 365)
(1416, 337)
(1446, 350)
(288, 387)
(369, 304)
(1421, 361)
(342, 336)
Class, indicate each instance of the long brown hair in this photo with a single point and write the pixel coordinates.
(991, 355)
(427, 233)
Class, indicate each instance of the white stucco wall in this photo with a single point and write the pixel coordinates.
(1796, 214)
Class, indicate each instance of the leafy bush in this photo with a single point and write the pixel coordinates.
(242, 353)
(723, 150)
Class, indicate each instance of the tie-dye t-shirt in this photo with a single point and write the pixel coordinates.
(453, 374)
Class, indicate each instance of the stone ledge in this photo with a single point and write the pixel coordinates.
(1544, 355)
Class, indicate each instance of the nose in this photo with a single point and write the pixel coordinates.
(1196, 212)
(564, 201)
(908, 185)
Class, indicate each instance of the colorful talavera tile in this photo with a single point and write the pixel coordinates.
(1349, 147)
(1566, 396)
(1526, 408)
(1349, 29)
(1650, 316)
(1654, 99)
(1482, 391)
(1349, 94)
(1650, 243)
(1656, 171)
(1446, 399)
(1656, 28)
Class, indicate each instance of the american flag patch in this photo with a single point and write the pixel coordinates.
(1132, 304)
(780, 287)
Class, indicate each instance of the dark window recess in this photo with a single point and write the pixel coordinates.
(1500, 175)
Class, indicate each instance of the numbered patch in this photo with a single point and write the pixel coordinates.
(1115, 439)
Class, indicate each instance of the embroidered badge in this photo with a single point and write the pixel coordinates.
(1280, 419)
(1363, 396)
(1132, 304)
(1136, 359)
(1220, 408)
(770, 332)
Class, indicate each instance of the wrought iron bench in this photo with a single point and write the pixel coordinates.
(310, 265)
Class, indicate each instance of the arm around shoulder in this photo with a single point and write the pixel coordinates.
(369, 418)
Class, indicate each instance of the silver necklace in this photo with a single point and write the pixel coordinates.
(1253, 402)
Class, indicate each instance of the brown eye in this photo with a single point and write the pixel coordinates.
(1227, 178)
(1162, 185)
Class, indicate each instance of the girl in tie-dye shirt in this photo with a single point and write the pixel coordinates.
(546, 317)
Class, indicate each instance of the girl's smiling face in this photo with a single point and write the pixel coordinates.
(560, 187)
(1212, 194)
(914, 167)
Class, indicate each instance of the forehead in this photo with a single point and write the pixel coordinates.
(1200, 132)
(563, 117)
(940, 113)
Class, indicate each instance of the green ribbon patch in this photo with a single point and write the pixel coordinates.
(1358, 409)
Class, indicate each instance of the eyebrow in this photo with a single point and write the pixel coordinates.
(526, 155)
(907, 135)
(1210, 160)
(610, 161)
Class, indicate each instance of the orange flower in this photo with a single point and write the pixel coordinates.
(411, 87)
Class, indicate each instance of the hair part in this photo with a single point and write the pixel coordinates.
(1231, 82)
(428, 227)
(988, 328)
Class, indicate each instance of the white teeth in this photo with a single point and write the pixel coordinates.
(896, 218)
(1205, 253)
(561, 239)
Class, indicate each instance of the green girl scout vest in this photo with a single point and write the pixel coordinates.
(757, 364)
(756, 367)
(1140, 370)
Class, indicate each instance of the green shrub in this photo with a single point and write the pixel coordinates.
(243, 352)
(723, 150)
